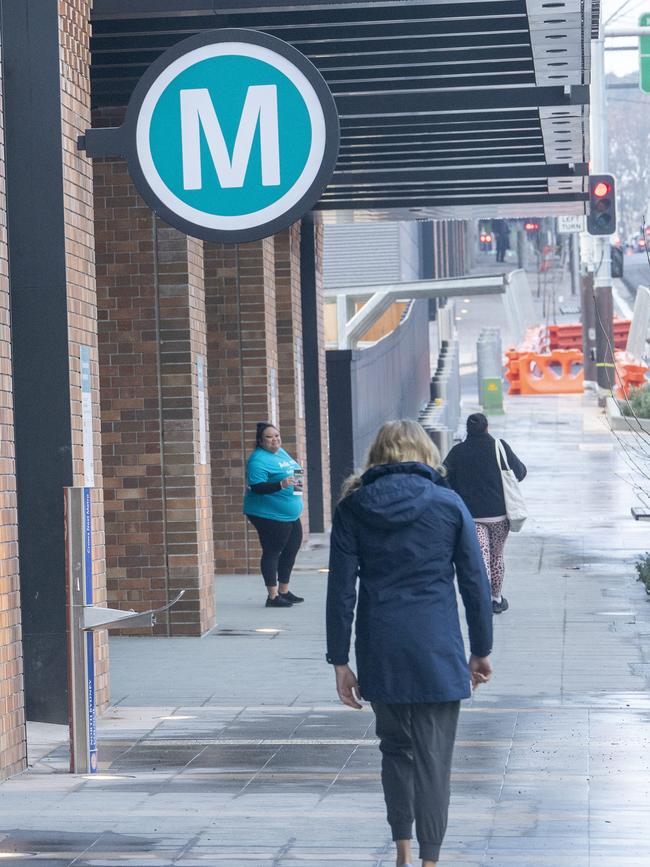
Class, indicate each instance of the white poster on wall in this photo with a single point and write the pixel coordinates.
(275, 401)
(203, 421)
(87, 418)
(300, 385)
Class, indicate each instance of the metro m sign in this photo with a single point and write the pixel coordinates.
(198, 113)
(231, 135)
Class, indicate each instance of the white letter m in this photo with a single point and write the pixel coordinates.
(197, 110)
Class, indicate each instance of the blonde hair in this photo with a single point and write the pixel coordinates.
(397, 442)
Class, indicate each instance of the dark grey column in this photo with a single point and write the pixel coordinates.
(37, 274)
(313, 427)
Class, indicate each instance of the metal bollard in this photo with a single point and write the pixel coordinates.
(488, 360)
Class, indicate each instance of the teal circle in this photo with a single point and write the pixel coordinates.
(227, 78)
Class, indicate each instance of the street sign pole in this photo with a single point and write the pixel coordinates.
(574, 253)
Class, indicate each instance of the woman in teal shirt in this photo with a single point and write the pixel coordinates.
(273, 504)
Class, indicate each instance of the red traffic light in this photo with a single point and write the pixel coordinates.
(601, 209)
(602, 188)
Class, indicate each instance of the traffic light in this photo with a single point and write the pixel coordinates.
(601, 219)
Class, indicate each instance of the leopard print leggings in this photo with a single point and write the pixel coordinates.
(492, 539)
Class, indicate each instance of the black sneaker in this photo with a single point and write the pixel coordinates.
(278, 602)
(500, 607)
(291, 597)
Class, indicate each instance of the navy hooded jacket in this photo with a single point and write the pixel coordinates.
(401, 534)
(475, 474)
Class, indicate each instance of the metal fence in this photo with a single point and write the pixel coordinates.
(367, 387)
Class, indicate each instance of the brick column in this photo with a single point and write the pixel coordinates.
(290, 352)
(186, 435)
(243, 384)
(53, 311)
(152, 340)
(12, 707)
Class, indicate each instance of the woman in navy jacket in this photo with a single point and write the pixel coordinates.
(400, 533)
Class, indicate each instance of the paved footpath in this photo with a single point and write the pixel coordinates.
(232, 750)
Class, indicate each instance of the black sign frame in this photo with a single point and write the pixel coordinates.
(121, 141)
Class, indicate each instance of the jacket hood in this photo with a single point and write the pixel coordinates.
(394, 495)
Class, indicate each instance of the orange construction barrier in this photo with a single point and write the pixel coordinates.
(512, 371)
(535, 340)
(569, 335)
(630, 374)
(556, 372)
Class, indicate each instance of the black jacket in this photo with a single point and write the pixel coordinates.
(401, 535)
(474, 474)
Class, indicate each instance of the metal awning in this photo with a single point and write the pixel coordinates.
(477, 108)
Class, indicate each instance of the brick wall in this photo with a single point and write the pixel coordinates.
(243, 383)
(290, 358)
(12, 718)
(158, 494)
(135, 554)
(74, 36)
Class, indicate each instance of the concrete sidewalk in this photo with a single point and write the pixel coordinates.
(232, 749)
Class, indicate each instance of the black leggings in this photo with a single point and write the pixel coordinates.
(280, 541)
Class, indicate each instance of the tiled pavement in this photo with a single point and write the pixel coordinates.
(232, 750)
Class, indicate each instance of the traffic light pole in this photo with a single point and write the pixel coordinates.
(599, 316)
(602, 262)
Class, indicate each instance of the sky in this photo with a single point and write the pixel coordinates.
(625, 14)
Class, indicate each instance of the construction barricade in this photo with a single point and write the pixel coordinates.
(557, 372)
(569, 335)
(630, 374)
(561, 372)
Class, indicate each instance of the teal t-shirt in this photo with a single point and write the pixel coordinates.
(263, 466)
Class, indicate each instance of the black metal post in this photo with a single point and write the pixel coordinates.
(39, 323)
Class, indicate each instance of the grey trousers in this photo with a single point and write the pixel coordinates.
(417, 743)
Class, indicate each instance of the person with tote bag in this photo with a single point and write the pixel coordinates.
(486, 473)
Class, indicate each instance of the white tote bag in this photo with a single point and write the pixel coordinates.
(515, 506)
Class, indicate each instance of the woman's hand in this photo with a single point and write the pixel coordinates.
(288, 481)
(347, 686)
(480, 669)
